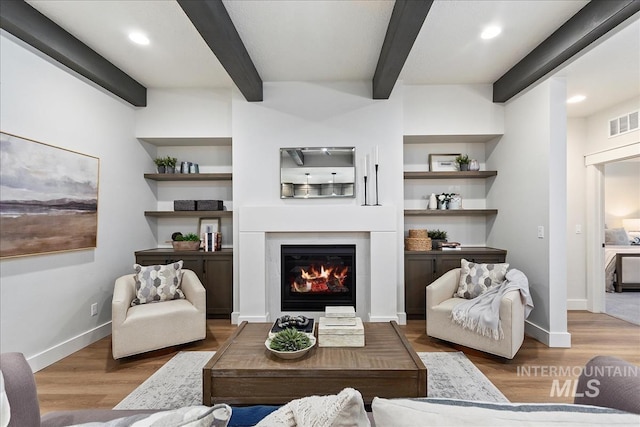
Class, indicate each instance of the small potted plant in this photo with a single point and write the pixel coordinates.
(188, 242)
(161, 163)
(170, 163)
(463, 162)
(290, 343)
(438, 237)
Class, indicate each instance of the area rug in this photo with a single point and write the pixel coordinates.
(178, 383)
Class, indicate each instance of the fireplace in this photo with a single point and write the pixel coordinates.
(315, 276)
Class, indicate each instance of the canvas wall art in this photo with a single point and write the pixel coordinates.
(48, 198)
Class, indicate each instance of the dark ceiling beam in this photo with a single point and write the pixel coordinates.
(405, 23)
(32, 27)
(590, 23)
(212, 21)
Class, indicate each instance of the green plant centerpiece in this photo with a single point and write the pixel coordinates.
(170, 163)
(186, 242)
(463, 161)
(161, 163)
(290, 339)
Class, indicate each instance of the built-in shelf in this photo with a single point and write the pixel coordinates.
(449, 175)
(450, 212)
(182, 214)
(189, 176)
(188, 141)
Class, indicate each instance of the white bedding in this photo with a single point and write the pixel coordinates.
(610, 252)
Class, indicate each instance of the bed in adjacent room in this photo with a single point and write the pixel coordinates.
(621, 260)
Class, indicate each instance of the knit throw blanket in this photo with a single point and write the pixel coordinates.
(482, 314)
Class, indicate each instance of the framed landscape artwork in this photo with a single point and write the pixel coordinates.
(48, 198)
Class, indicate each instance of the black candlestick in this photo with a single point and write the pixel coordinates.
(365, 191)
(377, 204)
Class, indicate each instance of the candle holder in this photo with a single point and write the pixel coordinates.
(377, 204)
(365, 191)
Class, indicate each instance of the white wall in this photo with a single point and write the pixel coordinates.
(576, 214)
(621, 192)
(315, 115)
(529, 192)
(45, 300)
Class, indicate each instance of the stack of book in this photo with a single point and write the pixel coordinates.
(340, 328)
(450, 246)
(212, 241)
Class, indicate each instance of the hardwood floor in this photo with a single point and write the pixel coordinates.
(90, 378)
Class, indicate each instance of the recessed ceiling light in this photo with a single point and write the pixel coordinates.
(490, 32)
(139, 38)
(576, 98)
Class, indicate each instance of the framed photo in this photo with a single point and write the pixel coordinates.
(48, 198)
(443, 162)
(209, 225)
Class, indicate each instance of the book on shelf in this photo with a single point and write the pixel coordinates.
(212, 241)
(450, 246)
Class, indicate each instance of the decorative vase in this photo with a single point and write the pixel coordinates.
(433, 202)
(464, 166)
(474, 165)
(162, 169)
(455, 202)
(442, 204)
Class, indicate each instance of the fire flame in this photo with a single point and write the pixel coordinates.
(326, 279)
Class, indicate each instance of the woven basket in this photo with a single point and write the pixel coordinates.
(417, 243)
(418, 233)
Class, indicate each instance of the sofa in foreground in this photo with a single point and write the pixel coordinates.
(607, 388)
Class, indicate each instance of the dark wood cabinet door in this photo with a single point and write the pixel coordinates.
(419, 271)
(218, 272)
(193, 263)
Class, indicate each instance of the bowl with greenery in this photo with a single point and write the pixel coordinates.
(187, 242)
(290, 344)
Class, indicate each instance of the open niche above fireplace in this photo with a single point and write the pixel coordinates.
(315, 276)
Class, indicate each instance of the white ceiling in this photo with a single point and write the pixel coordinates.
(321, 40)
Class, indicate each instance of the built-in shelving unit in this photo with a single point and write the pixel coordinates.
(184, 214)
(449, 175)
(188, 176)
(450, 212)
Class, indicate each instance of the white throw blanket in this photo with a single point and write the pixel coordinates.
(482, 314)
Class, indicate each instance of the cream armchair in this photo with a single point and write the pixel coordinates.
(152, 326)
(440, 302)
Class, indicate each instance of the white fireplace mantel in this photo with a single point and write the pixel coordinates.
(256, 222)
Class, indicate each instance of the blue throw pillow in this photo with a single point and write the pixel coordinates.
(249, 416)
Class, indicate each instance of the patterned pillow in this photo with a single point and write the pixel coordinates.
(158, 283)
(616, 236)
(476, 279)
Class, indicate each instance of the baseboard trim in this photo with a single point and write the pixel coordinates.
(60, 351)
(383, 318)
(550, 339)
(253, 319)
(577, 304)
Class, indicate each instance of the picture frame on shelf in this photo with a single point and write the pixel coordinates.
(443, 162)
(209, 225)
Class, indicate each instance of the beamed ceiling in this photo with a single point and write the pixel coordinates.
(211, 43)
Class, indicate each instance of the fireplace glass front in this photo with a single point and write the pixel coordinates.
(316, 276)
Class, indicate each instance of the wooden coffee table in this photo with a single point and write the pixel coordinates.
(244, 372)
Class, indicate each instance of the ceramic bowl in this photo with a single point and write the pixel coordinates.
(290, 354)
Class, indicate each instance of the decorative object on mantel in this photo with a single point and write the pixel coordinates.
(365, 168)
(474, 165)
(418, 240)
(377, 160)
(463, 162)
(455, 202)
(188, 242)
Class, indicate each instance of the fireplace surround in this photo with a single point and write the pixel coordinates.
(263, 229)
(315, 276)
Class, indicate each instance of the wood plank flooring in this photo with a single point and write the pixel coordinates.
(90, 378)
